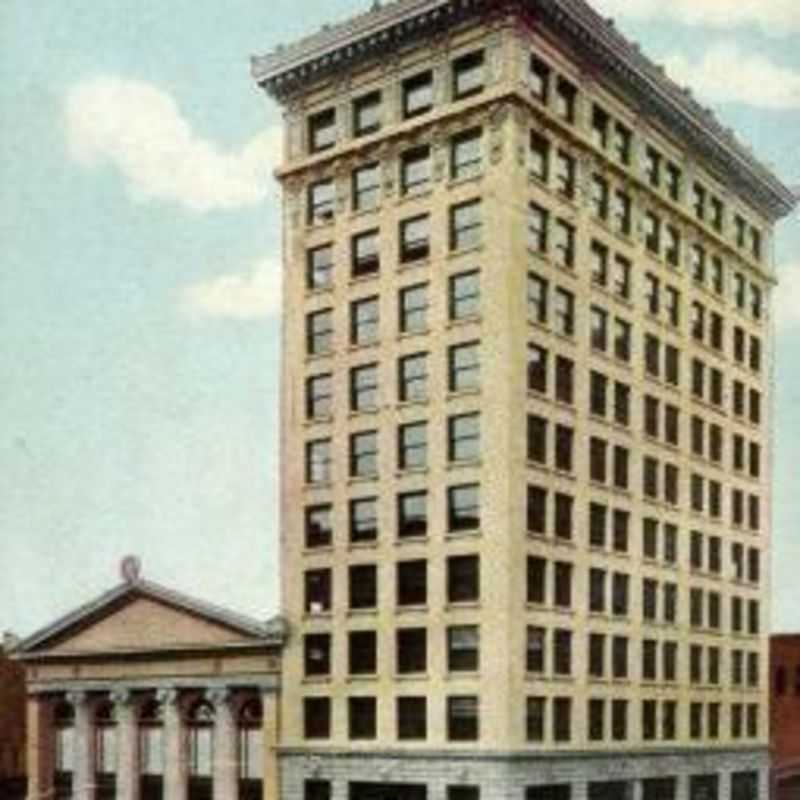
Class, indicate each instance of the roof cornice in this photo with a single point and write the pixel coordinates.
(371, 35)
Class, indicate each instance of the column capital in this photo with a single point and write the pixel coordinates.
(220, 696)
(168, 696)
(121, 696)
(77, 698)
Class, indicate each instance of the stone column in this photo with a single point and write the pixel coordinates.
(83, 776)
(226, 750)
(270, 704)
(40, 746)
(176, 773)
(128, 782)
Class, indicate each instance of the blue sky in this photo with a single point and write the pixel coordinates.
(139, 284)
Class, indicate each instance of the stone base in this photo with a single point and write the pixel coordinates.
(507, 777)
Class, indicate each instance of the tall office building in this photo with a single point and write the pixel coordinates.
(526, 419)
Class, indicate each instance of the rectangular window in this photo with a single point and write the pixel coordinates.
(463, 648)
(464, 438)
(564, 244)
(319, 267)
(362, 717)
(412, 650)
(366, 187)
(462, 719)
(412, 446)
(319, 395)
(537, 299)
(321, 201)
(317, 654)
(562, 652)
(463, 579)
(416, 170)
(535, 719)
(364, 320)
(363, 580)
(597, 719)
(367, 114)
(599, 197)
(418, 94)
(466, 225)
(318, 461)
(463, 508)
(317, 717)
(562, 585)
(564, 312)
(466, 155)
(412, 515)
(565, 382)
(536, 580)
(318, 591)
(319, 332)
(364, 454)
(465, 295)
(412, 583)
(464, 367)
(562, 732)
(412, 722)
(468, 75)
(539, 79)
(565, 174)
(538, 224)
(362, 652)
(319, 526)
(415, 239)
(364, 520)
(539, 157)
(537, 510)
(413, 378)
(322, 130)
(413, 316)
(537, 368)
(364, 388)
(566, 95)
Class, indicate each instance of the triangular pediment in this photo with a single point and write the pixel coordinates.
(142, 617)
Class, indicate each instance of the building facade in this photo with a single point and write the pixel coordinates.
(526, 415)
(785, 715)
(12, 727)
(147, 694)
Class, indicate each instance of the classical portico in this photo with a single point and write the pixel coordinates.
(146, 694)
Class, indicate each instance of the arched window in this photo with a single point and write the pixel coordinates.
(251, 738)
(200, 721)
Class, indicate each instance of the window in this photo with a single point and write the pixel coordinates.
(539, 79)
(366, 187)
(600, 126)
(597, 655)
(364, 454)
(599, 262)
(317, 654)
(599, 196)
(622, 143)
(462, 719)
(562, 585)
(620, 592)
(465, 295)
(537, 299)
(621, 463)
(318, 396)
(622, 277)
(537, 510)
(413, 377)
(319, 527)
(598, 516)
(597, 709)
(364, 321)
(566, 94)
(599, 328)
(622, 339)
(463, 793)
(538, 222)
(535, 719)
(411, 718)
(562, 652)
(564, 244)
(318, 591)
(463, 579)
(698, 263)
(699, 201)
(564, 312)
(598, 451)
(463, 648)
(414, 308)
(412, 515)
(672, 250)
(539, 157)
(365, 254)
(364, 388)
(363, 586)
(465, 225)
(464, 367)
(598, 391)
(412, 446)
(463, 438)
(564, 507)
(565, 438)
(463, 508)
(468, 75)
(364, 519)
(415, 170)
(565, 174)
(415, 238)
(319, 267)
(362, 717)
(412, 583)
(318, 461)
(597, 591)
(412, 650)
(619, 656)
(652, 166)
(466, 155)
(672, 304)
(535, 649)
(321, 200)
(362, 652)
(565, 371)
(652, 229)
(319, 332)
(317, 717)
(418, 94)
(673, 181)
(562, 732)
(648, 720)
(367, 114)
(322, 130)
(317, 790)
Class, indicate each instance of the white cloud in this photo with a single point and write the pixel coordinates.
(727, 74)
(775, 17)
(248, 295)
(787, 298)
(139, 129)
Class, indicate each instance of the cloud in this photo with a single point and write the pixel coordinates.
(248, 295)
(786, 298)
(727, 74)
(139, 129)
(775, 17)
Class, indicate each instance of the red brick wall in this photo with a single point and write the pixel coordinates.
(12, 719)
(785, 705)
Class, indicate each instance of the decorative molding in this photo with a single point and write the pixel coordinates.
(262, 683)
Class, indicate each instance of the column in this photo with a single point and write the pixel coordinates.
(226, 751)
(40, 746)
(83, 779)
(270, 704)
(176, 778)
(128, 782)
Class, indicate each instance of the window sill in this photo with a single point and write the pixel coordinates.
(361, 346)
(359, 280)
(411, 676)
(413, 263)
(363, 413)
(359, 480)
(463, 605)
(472, 319)
(366, 678)
(372, 544)
(361, 612)
(454, 466)
(465, 251)
(321, 550)
(458, 393)
(411, 609)
(462, 535)
(454, 182)
(410, 541)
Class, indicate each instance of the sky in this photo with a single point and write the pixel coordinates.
(139, 281)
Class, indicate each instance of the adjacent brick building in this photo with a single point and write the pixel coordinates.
(12, 728)
(527, 413)
(785, 715)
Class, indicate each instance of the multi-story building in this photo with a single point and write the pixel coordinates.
(526, 415)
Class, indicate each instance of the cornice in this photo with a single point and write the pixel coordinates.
(613, 59)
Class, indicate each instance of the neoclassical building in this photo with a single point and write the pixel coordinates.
(526, 415)
(147, 694)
